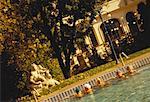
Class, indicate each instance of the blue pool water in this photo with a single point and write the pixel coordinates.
(134, 89)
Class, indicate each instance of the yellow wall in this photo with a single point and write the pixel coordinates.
(117, 9)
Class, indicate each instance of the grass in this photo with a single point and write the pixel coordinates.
(94, 71)
(89, 73)
(139, 53)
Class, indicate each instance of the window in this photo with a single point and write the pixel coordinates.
(112, 26)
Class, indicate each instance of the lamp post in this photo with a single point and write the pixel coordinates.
(109, 39)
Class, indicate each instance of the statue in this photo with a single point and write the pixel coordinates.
(40, 78)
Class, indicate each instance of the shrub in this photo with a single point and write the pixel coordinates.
(94, 71)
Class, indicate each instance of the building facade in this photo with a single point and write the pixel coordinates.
(120, 21)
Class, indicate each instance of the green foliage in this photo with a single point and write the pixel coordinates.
(83, 75)
(44, 92)
(94, 71)
(1, 41)
(24, 46)
(33, 30)
(46, 17)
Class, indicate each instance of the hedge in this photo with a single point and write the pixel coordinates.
(94, 71)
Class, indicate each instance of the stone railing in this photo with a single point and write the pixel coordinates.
(93, 82)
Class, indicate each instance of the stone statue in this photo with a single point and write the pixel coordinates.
(40, 78)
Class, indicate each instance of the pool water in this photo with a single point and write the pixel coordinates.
(134, 89)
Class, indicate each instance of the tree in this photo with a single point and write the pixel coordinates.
(36, 31)
(76, 10)
(22, 46)
(47, 17)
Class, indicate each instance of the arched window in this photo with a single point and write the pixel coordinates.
(112, 26)
(132, 23)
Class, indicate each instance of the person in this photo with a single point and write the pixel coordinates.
(79, 93)
(101, 82)
(120, 74)
(88, 89)
(130, 70)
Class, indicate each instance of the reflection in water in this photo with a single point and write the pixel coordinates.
(134, 89)
(92, 97)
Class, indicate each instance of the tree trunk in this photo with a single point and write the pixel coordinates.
(66, 65)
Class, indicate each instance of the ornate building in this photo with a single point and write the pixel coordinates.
(120, 21)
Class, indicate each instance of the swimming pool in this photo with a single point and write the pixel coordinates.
(134, 89)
